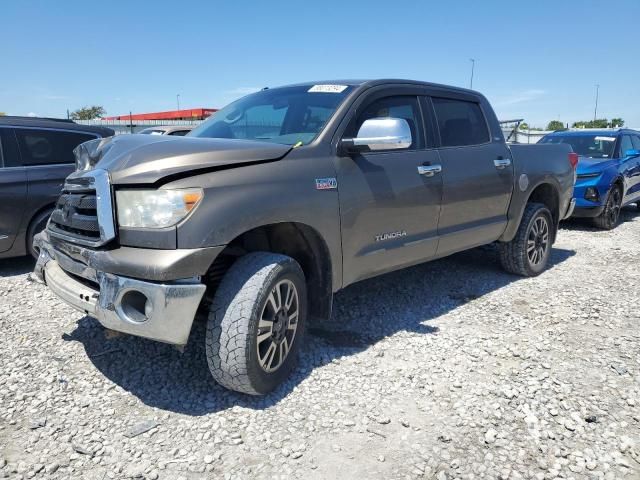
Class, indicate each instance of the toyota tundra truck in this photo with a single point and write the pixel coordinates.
(260, 214)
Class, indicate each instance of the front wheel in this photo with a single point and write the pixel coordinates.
(609, 217)
(529, 251)
(256, 323)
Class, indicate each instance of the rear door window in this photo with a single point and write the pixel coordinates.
(48, 147)
(460, 122)
(636, 142)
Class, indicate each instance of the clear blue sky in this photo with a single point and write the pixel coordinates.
(538, 60)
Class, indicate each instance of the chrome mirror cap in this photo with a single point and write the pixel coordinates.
(384, 134)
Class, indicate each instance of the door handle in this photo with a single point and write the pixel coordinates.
(429, 170)
(501, 163)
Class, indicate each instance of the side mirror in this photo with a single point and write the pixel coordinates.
(381, 134)
(632, 153)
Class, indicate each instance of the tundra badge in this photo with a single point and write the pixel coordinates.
(390, 235)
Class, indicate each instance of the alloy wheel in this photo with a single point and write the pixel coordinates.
(277, 325)
(613, 207)
(538, 241)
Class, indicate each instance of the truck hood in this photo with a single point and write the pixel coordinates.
(147, 159)
(588, 165)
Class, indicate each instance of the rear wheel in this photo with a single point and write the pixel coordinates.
(38, 224)
(609, 217)
(256, 323)
(529, 251)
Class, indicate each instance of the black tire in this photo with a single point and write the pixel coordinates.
(247, 293)
(38, 224)
(608, 219)
(516, 256)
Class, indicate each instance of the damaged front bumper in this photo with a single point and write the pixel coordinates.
(162, 311)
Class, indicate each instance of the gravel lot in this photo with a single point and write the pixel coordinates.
(451, 369)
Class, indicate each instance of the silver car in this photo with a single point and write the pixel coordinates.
(176, 130)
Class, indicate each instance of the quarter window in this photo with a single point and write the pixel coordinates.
(636, 142)
(460, 122)
(405, 107)
(46, 147)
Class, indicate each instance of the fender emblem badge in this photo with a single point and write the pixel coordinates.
(326, 183)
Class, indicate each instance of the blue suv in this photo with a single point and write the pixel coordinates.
(608, 173)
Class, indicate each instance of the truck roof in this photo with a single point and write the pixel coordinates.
(54, 123)
(380, 81)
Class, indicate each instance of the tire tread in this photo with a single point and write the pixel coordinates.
(230, 314)
(513, 255)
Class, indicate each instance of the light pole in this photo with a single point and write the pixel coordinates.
(595, 111)
(178, 100)
(473, 64)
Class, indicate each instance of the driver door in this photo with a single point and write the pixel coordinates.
(389, 209)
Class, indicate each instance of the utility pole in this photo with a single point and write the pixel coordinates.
(595, 111)
(178, 100)
(473, 64)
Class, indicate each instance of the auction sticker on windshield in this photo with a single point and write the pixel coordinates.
(605, 139)
(327, 89)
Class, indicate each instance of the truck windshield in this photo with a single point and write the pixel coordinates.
(592, 146)
(289, 115)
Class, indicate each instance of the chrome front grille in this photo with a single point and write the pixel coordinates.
(84, 212)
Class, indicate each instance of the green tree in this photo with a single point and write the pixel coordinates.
(88, 113)
(617, 122)
(524, 126)
(598, 123)
(555, 125)
(2, 114)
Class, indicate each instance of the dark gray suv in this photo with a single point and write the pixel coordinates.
(36, 155)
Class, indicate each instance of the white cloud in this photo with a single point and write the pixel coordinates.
(520, 97)
(32, 114)
(55, 97)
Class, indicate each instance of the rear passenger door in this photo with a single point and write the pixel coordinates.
(477, 174)
(13, 189)
(48, 157)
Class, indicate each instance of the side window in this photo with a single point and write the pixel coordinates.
(460, 122)
(179, 133)
(9, 156)
(405, 107)
(636, 142)
(46, 147)
(625, 145)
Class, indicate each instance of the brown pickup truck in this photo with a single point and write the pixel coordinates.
(284, 197)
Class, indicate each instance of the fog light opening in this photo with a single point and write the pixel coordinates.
(136, 306)
(591, 193)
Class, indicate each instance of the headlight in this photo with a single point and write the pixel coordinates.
(155, 208)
